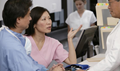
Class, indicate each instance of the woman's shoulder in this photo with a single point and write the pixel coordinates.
(73, 13)
(88, 11)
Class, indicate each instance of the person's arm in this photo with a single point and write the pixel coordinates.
(92, 24)
(72, 55)
(18, 60)
(93, 20)
(58, 67)
(68, 28)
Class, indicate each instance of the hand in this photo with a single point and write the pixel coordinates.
(61, 65)
(72, 33)
(57, 66)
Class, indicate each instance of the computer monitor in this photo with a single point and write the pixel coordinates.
(85, 38)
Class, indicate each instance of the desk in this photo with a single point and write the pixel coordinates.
(99, 56)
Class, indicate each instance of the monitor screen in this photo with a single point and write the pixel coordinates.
(85, 38)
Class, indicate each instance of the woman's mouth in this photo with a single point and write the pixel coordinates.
(49, 27)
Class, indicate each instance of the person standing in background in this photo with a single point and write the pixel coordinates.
(82, 17)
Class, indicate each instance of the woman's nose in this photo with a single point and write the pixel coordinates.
(49, 21)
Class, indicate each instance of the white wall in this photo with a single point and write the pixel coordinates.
(51, 5)
(2, 2)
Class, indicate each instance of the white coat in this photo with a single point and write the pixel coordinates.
(112, 57)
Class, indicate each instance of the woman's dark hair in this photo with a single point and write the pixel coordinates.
(81, 0)
(118, 0)
(35, 14)
(14, 9)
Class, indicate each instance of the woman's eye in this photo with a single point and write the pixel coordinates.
(43, 19)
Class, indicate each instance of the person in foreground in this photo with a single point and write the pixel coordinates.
(44, 48)
(112, 57)
(13, 56)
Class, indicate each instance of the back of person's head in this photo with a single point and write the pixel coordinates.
(35, 14)
(81, 0)
(14, 9)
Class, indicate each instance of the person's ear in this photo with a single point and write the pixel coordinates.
(18, 20)
(34, 26)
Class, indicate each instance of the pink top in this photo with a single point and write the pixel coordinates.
(52, 50)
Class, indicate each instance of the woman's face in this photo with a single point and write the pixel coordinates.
(79, 4)
(44, 23)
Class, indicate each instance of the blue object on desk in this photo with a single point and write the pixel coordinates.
(74, 67)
